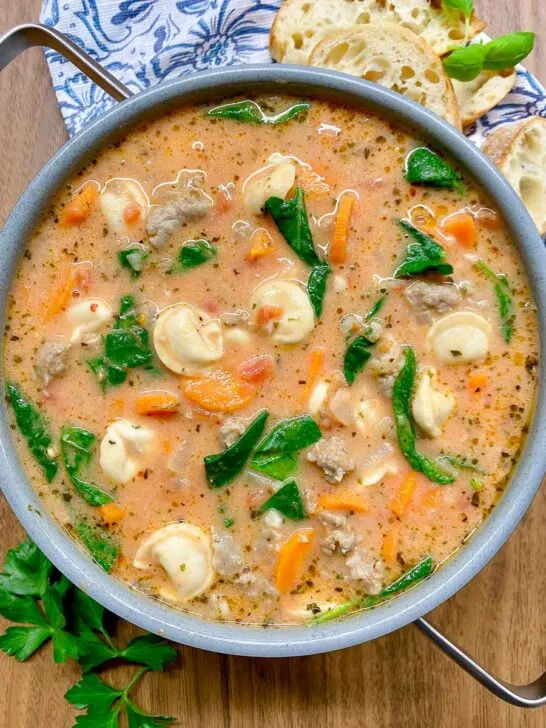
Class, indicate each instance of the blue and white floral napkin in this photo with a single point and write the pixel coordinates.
(144, 42)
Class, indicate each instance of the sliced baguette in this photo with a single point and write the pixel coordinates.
(519, 151)
(301, 24)
(393, 57)
(479, 96)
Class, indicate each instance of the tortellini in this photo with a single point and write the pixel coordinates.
(460, 337)
(184, 551)
(278, 183)
(125, 449)
(87, 317)
(431, 407)
(186, 339)
(295, 319)
(116, 197)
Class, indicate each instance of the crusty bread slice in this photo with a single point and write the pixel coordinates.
(393, 57)
(300, 24)
(479, 96)
(519, 151)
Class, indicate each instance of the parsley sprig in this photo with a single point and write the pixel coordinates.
(47, 607)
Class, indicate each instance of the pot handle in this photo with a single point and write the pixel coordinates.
(522, 696)
(29, 35)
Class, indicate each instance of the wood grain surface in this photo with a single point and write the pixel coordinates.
(400, 680)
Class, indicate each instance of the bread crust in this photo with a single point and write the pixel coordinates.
(479, 96)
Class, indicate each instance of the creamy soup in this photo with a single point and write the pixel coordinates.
(270, 361)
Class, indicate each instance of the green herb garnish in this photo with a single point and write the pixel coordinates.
(222, 467)
(316, 286)
(427, 168)
(376, 308)
(133, 260)
(419, 572)
(357, 355)
(77, 451)
(276, 455)
(248, 112)
(464, 64)
(402, 394)
(290, 216)
(101, 545)
(194, 253)
(464, 6)
(126, 346)
(476, 484)
(505, 302)
(33, 427)
(287, 501)
(422, 255)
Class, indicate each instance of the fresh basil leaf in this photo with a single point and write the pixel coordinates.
(357, 355)
(194, 253)
(275, 455)
(507, 50)
(290, 216)
(465, 6)
(420, 571)
(287, 501)
(77, 450)
(464, 64)
(222, 467)
(93, 692)
(26, 570)
(402, 394)
(133, 260)
(427, 168)
(100, 545)
(422, 255)
(22, 642)
(505, 302)
(136, 718)
(248, 112)
(33, 427)
(149, 650)
(316, 286)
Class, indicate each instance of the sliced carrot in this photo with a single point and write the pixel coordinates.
(315, 365)
(338, 246)
(343, 500)
(157, 403)
(268, 312)
(477, 381)
(77, 278)
(111, 513)
(400, 502)
(314, 186)
(462, 227)
(261, 244)
(131, 213)
(258, 369)
(80, 206)
(390, 546)
(292, 556)
(219, 392)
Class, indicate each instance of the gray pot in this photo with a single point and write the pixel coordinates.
(152, 615)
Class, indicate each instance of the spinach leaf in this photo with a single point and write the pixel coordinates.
(102, 547)
(316, 286)
(290, 216)
(133, 260)
(276, 454)
(427, 168)
(126, 346)
(226, 465)
(419, 572)
(287, 501)
(77, 451)
(248, 112)
(464, 64)
(33, 427)
(194, 253)
(422, 255)
(376, 308)
(356, 357)
(505, 302)
(401, 403)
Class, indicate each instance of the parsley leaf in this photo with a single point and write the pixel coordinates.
(26, 570)
(151, 651)
(92, 691)
(22, 642)
(137, 719)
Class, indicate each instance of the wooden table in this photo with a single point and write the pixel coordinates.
(400, 680)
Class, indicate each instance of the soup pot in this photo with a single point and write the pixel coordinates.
(235, 639)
